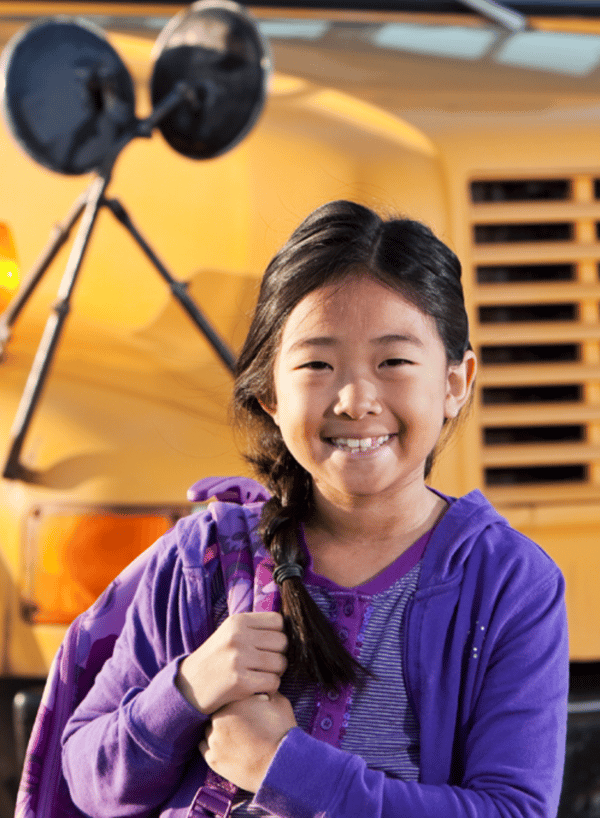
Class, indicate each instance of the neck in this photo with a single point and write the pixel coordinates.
(351, 541)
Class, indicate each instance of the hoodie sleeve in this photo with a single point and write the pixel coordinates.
(506, 746)
(126, 745)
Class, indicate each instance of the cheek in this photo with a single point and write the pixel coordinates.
(425, 404)
(299, 423)
(427, 392)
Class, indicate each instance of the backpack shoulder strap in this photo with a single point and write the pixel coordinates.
(249, 586)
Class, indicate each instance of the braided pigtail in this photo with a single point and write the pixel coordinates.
(314, 648)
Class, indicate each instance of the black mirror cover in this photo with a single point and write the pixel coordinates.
(68, 97)
(216, 49)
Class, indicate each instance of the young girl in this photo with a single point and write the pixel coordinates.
(392, 651)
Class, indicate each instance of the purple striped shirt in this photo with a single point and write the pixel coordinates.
(375, 720)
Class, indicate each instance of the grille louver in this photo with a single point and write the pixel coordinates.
(536, 255)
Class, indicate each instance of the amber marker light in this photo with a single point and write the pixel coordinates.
(71, 555)
(9, 265)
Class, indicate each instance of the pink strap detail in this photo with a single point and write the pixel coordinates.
(214, 798)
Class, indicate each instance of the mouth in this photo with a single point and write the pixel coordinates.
(359, 445)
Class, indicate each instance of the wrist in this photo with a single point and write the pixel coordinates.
(184, 685)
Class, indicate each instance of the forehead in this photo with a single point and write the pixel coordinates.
(357, 308)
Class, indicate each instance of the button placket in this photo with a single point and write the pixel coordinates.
(331, 717)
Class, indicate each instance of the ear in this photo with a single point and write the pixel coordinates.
(460, 381)
(270, 410)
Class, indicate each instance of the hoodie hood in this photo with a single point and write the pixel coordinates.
(470, 522)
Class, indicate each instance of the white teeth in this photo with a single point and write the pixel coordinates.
(363, 444)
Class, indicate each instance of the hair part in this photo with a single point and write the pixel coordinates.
(337, 240)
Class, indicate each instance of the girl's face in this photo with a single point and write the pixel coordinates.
(362, 387)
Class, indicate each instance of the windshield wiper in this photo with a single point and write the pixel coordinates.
(497, 13)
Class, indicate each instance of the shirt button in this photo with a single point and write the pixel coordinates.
(349, 608)
(343, 634)
(326, 723)
(333, 695)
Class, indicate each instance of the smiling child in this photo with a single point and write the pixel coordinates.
(391, 651)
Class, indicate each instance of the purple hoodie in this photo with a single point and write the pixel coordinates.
(486, 661)
(486, 668)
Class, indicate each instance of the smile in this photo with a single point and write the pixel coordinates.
(359, 444)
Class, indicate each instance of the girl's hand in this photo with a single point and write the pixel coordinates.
(245, 655)
(243, 737)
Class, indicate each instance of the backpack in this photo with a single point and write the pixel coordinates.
(89, 642)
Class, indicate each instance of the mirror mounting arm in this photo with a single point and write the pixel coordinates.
(44, 356)
(180, 93)
(179, 289)
(505, 17)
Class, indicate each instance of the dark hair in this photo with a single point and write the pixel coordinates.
(336, 240)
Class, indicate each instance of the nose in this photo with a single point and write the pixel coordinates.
(357, 399)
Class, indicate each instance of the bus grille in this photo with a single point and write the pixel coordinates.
(536, 256)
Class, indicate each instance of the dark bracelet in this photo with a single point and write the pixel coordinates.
(287, 570)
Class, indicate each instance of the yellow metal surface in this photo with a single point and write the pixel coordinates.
(569, 533)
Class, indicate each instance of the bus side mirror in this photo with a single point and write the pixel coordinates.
(68, 98)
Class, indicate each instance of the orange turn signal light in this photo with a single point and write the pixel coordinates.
(9, 265)
(71, 556)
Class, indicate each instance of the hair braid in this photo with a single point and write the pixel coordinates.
(314, 648)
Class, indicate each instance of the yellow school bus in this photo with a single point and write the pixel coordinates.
(480, 119)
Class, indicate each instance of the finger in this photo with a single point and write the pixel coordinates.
(270, 640)
(265, 620)
(262, 682)
(279, 700)
(240, 635)
(267, 661)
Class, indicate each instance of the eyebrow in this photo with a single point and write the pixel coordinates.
(305, 343)
(406, 338)
(329, 341)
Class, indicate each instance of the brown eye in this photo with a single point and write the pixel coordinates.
(395, 362)
(315, 365)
